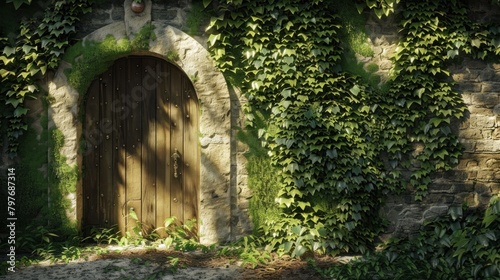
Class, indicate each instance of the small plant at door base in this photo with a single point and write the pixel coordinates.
(250, 249)
(183, 236)
(104, 235)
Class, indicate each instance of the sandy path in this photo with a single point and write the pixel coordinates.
(119, 269)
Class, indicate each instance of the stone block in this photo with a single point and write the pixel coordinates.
(462, 187)
(468, 145)
(435, 211)
(468, 198)
(489, 86)
(117, 14)
(492, 163)
(456, 175)
(484, 146)
(468, 164)
(166, 15)
(484, 199)
(485, 175)
(487, 133)
(134, 22)
(482, 121)
(473, 133)
(487, 100)
(486, 74)
(439, 198)
(495, 146)
(495, 188)
(467, 97)
(482, 188)
(495, 135)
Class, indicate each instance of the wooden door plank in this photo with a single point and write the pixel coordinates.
(91, 158)
(121, 113)
(176, 140)
(133, 142)
(163, 175)
(148, 104)
(191, 152)
(106, 212)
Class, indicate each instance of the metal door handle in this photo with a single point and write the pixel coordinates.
(176, 156)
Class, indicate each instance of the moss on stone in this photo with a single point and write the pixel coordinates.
(93, 58)
(62, 181)
(196, 18)
(262, 179)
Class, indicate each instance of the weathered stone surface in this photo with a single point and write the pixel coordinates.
(63, 112)
(134, 22)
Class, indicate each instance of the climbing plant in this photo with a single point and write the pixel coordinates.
(36, 50)
(340, 144)
(459, 245)
(323, 130)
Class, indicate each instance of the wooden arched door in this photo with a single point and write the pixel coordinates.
(141, 146)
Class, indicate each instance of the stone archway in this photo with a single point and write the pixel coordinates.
(214, 130)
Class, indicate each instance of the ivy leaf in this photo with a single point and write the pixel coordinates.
(355, 90)
(20, 111)
(18, 3)
(293, 167)
(5, 60)
(476, 43)
(27, 48)
(285, 103)
(302, 205)
(286, 93)
(455, 212)
(452, 53)
(419, 92)
(206, 3)
(496, 42)
(13, 101)
(9, 50)
(331, 153)
(213, 38)
(341, 185)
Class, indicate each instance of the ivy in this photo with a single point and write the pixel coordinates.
(459, 245)
(36, 50)
(340, 144)
(322, 133)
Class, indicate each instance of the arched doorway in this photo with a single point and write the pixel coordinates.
(141, 150)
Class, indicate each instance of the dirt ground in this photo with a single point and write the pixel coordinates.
(157, 264)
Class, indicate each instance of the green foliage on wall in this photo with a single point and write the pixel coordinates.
(61, 182)
(340, 144)
(262, 178)
(326, 132)
(461, 245)
(196, 18)
(43, 179)
(31, 175)
(36, 50)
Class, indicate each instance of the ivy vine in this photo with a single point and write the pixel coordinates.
(340, 144)
(37, 49)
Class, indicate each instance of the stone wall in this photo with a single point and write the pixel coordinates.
(477, 176)
(473, 181)
(175, 13)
